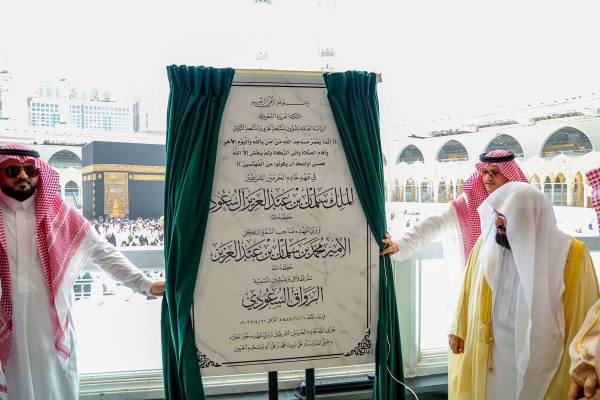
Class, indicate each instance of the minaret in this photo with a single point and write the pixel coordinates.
(326, 13)
(262, 36)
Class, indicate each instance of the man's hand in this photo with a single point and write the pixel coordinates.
(595, 396)
(391, 247)
(158, 288)
(584, 377)
(457, 345)
(573, 393)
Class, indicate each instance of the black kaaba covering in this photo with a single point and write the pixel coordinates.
(123, 180)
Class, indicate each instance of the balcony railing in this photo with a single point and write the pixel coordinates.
(571, 153)
(453, 159)
(65, 165)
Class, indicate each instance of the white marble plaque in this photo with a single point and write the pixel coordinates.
(288, 278)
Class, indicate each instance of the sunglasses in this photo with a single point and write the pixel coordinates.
(13, 171)
(492, 173)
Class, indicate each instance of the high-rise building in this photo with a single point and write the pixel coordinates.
(326, 13)
(60, 103)
(7, 101)
(148, 116)
(261, 36)
(136, 116)
(4, 83)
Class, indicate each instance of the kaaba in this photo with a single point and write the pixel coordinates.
(123, 180)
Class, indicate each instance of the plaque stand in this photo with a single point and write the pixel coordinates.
(273, 392)
(310, 385)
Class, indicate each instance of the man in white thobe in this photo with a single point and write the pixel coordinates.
(44, 244)
(526, 291)
(504, 309)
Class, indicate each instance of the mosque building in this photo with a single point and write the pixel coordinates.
(555, 146)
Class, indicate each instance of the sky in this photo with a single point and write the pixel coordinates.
(438, 58)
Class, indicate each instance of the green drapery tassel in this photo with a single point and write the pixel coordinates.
(353, 99)
(196, 103)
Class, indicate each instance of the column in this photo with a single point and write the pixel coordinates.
(570, 194)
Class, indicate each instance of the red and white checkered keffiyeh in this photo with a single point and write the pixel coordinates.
(59, 232)
(475, 192)
(594, 178)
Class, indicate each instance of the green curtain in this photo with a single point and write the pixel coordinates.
(353, 99)
(196, 103)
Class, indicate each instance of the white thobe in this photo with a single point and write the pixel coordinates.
(34, 370)
(502, 380)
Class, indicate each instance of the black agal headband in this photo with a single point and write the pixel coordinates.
(19, 152)
(492, 159)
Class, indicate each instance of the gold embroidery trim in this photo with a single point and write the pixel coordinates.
(123, 168)
(140, 177)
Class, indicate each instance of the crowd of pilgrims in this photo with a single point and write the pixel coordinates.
(126, 232)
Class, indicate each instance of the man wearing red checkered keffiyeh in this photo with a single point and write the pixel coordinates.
(44, 244)
(594, 179)
(460, 220)
(585, 348)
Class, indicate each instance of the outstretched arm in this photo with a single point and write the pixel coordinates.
(419, 235)
(118, 267)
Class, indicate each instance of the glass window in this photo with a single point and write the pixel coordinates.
(108, 314)
(440, 286)
(437, 113)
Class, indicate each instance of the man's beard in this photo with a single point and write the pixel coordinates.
(19, 195)
(502, 240)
